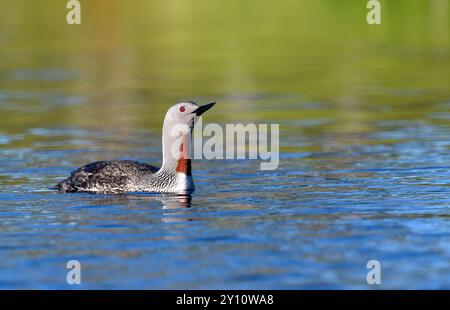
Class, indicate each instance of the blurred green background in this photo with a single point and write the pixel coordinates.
(261, 60)
(364, 114)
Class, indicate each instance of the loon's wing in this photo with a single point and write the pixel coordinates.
(105, 176)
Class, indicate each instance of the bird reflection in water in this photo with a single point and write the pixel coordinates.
(175, 207)
(181, 203)
(176, 201)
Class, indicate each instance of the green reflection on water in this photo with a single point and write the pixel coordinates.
(264, 61)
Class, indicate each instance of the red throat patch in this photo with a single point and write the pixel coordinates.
(184, 165)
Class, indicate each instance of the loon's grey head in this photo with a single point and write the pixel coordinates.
(177, 131)
(186, 113)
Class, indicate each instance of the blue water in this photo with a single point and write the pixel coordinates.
(313, 223)
(364, 115)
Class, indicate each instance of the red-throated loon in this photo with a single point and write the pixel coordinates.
(120, 176)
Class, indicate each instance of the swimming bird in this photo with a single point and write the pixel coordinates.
(121, 176)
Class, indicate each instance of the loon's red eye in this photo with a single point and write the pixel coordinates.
(182, 109)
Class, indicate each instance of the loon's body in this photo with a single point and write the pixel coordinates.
(120, 176)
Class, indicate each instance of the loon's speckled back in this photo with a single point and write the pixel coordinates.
(107, 176)
(120, 176)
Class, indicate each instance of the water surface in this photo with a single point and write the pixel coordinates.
(364, 144)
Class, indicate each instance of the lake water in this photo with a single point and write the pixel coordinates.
(364, 115)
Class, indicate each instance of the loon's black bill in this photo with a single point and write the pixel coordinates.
(203, 108)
